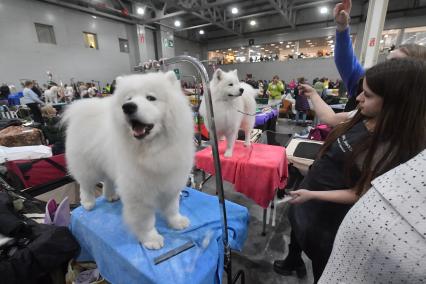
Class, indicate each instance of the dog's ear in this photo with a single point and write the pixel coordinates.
(235, 71)
(118, 80)
(171, 76)
(218, 74)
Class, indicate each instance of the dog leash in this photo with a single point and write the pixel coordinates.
(249, 114)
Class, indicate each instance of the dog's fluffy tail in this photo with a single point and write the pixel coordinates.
(80, 111)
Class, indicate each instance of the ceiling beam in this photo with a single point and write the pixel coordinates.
(284, 8)
(213, 15)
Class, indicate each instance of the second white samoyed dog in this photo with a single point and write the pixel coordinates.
(138, 141)
(234, 107)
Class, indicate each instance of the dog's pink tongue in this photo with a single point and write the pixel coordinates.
(139, 130)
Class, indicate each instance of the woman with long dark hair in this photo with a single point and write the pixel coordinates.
(388, 129)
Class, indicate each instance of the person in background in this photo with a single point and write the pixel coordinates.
(113, 86)
(302, 104)
(32, 101)
(108, 88)
(36, 89)
(275, 88)
(347, 64)
(292, 85)
(319, 86)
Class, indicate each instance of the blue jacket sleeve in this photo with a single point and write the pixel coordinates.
(346, 62)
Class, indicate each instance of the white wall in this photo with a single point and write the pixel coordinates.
(286, 70)
(22, 56)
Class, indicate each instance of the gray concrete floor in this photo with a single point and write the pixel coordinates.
(259, 251)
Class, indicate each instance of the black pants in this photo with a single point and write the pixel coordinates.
(318, 258)
(35, 110)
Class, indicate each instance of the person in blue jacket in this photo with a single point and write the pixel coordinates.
(346, 62)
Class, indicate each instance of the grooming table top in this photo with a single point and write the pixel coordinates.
(105, 239)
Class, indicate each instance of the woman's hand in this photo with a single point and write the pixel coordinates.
(300, 196)
(307, 90)
(342, 14)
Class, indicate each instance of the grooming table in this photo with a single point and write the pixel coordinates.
(263, 117)
(104, 238)
(256, 171)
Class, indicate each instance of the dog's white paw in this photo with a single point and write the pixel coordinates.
(88, 205)
(153, 240)
(179, 222)
(247, 143)
(228, 153)
(113, 197)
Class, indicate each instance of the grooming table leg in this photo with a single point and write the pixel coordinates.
(264, 221)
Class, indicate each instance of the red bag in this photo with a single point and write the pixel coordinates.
(319, 133)
(30, 173)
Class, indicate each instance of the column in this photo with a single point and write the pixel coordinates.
(373, 32)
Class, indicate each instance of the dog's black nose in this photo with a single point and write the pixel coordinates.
(241, 90)
(129, 108)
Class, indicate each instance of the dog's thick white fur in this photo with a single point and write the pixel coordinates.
(234, 107)
(138, 141)
(51, 95)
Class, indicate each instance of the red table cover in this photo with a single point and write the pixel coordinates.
(256, 171)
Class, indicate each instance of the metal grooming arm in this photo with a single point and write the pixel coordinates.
(215, 150)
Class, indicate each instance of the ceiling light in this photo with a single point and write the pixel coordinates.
(308, 40)
(242, 47)
(329, 37)
(217, 50)
(201, 32)
(257, 46)
(252, 23)
(323, 10)
(234, 10)
(94, 17)
(262, 48)
(382, 41)
(266, 50)
(177, 23)
(332, 46)
(330, 41)
(281, 42)
(140, 10)
(272, 44)
(385, 36)
(229, 49)
(287, 46)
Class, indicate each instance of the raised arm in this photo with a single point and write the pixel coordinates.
(322, 110)
(344, 57)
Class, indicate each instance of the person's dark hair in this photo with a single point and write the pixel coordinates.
(400, 130)
(414, 50)
(28, 83)
(275, 77)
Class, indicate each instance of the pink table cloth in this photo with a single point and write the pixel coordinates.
(256, 171)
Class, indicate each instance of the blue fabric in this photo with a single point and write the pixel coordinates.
(346, 62)
(14, 99)
(121, 259)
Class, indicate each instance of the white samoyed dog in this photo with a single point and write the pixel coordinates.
(139, 142)
(51, 95)
(234, 107)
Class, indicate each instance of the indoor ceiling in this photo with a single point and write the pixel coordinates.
(203, 20)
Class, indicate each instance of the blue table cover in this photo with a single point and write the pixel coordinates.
(104, 238)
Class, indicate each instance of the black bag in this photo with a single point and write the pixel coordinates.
(36, 250)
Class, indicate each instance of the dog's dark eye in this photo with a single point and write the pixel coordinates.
(151, 98)
(230, 85)
(129, 98)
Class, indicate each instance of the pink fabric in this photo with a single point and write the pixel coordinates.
(256, 171)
